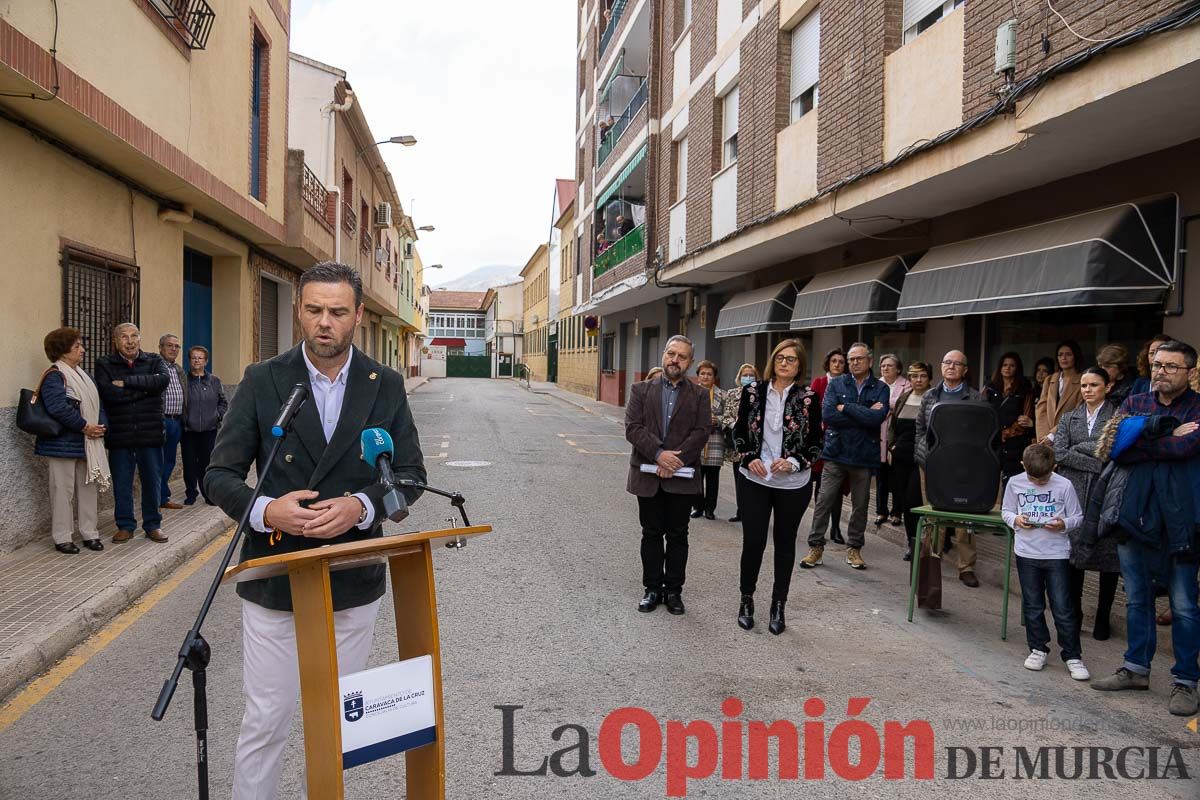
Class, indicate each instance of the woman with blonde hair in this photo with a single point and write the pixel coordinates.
(746, 375)
(778, 437)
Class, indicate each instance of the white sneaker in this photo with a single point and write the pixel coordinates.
(1036, 660)
(1078, 671)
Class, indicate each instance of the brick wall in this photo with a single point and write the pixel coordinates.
(1098, 19)
(856, 36)
(578, 372)
(765, 74)
(704, 34)
(631, 266)
(701, 164)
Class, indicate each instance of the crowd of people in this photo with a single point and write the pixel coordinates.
(136, 414)
(1099, 469)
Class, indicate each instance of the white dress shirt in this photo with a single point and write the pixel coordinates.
(327, 397)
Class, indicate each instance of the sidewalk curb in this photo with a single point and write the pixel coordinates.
(56, 640)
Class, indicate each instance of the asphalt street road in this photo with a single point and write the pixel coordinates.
(542, 614)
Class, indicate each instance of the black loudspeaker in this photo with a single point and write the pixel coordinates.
(962, 466)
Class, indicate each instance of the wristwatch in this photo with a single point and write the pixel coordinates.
(363, 516)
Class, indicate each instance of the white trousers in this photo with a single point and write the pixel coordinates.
(68, 485)
(271, 687)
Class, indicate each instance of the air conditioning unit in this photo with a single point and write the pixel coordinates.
(380, 256)
(383, 215)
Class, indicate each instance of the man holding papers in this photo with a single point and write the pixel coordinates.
(667, 421)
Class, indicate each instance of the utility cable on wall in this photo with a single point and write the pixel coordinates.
(53, 62)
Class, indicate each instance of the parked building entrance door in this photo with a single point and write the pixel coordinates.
(197, 302)
(504, 365)
(552, 358)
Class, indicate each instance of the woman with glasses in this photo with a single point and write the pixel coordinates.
(885, 488)
(777, 436)
(834, 365)
(1060, 392)
(1011, 394)
(746, 375)
(1075, 455)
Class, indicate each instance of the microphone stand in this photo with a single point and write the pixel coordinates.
(456, 500)
(195, 652)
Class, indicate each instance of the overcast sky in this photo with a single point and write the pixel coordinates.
(487, 88)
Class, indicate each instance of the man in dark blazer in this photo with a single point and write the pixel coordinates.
(667, 421)
(319, 491)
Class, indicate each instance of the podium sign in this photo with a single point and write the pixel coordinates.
(387, 710)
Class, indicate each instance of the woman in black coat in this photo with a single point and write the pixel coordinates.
(1011, 394)
(902, 447)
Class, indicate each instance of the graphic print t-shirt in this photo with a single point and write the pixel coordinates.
(1054, 500)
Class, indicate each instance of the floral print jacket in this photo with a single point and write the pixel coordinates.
(802, 438)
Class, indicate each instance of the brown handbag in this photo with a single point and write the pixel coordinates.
(929, 579)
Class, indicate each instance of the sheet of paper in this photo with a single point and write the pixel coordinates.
(682, 472)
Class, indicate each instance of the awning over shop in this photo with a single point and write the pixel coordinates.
(768, 308)
(448, 342)
(855, 295)
(1122, 255)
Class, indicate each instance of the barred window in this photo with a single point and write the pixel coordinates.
(98, 294)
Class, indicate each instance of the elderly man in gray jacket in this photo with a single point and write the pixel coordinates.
(952, 389)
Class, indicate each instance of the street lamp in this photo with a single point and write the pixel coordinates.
(427, 228)
(434, 266)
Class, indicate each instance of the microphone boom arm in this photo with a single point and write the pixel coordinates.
(456, 498)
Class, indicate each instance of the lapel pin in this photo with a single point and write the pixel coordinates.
(373, 376)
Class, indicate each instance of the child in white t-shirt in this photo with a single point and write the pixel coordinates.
(1041, 507)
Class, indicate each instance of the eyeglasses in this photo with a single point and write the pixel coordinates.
(1168, 369)
(782, 359)
(949, 363)
(858, 358)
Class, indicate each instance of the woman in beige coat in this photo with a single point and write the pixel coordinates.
(1060, 392)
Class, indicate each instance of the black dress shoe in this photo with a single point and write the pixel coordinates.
(70, 548)
(776, 625)
(735, 518)
(908, 551)
(746, 612)
(189, 501)
(674, 603)
(709, 515)
(697, 514)
(836, 537)
(649, 602)
(93, 544)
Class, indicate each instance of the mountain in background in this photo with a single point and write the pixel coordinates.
(478, 280)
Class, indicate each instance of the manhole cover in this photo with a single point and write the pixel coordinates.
(468, 463)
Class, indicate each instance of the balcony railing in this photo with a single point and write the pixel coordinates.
(614, 20)
(365, 241)
(608, 142)
(314, 192)
(191, 19)
(624, 248)
(349, 218)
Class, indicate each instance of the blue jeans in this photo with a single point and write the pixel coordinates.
(1043, 578)
(1138, 565)
(148, 462)
(174, 431)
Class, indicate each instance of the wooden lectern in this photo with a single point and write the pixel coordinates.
(410, 563)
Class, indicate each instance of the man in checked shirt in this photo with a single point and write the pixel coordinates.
(1156, 543)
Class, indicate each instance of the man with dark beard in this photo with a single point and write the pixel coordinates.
(667, 420)
(319, 491)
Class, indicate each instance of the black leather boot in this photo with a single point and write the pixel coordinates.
(776, 625)
(908, 551)
(746, 612)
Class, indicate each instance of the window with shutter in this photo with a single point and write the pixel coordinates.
(729, 128)
(806, 60)
(268, 319)
(920, 15)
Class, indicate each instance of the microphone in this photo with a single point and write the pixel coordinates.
(290, 408)
(377, 450)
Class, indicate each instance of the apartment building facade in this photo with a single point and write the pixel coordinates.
(504, 327)
(540, 344)
(149, 188)
(887, 172)
(347, 188)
